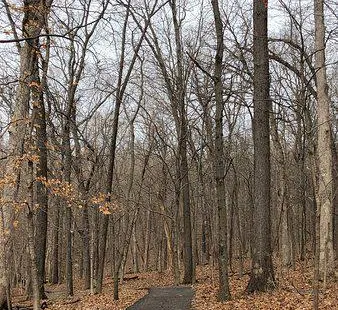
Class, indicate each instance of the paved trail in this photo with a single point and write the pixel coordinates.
(165, 298)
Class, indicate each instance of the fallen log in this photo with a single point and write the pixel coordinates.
(130, 278)
(30, 307)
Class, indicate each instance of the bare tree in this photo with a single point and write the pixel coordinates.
(219, 160)
(262, 273)
(124, 73)
(33, 22)
(325, 178)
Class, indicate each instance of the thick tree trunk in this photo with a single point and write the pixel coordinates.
(218, 160)
(31, 27)
(179, 104)
(262, 273)
(41, 175)
(325, 179)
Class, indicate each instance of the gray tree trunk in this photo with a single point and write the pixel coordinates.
(179, 104)
(324, 157)
(219, 161)
(39, 120)
(68, 211)
(31, 246)
(262, 273)
(55, 247)
(31, 27)
(335, 198)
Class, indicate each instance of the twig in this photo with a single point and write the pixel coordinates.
(200, 67)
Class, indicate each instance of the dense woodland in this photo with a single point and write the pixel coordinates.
(153, 135)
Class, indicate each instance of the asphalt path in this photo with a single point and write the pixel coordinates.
(165, 298)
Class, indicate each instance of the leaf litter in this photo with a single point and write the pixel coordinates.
(294, 291)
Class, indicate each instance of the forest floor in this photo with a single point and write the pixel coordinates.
(294, 291)
(166, 298)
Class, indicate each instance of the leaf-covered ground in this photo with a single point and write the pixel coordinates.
(130, 291)
(294, 291)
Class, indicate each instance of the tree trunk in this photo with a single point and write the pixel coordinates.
(3, 270)
(31, 246)
(188, 277)
(69, 251)
(179, 105)
(31, 27)
(316, 271)
(335, 198)
(33, 263)
(147, 242)
(262, 274)
(86, 248)
(67, 166)
(55, 247)
(325, 191)
(39, 120)
(134, 251)
(218, 159)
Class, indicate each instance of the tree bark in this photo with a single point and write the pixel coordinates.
(32, 25)
(41, 175)
(68, 211)
(218, 159)
(31, 246)
(3, 269)
(55, 247)
(178, 103)
(146, 242)
(262, 274)
(335, 198)
(325, 178)
(86, 247)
